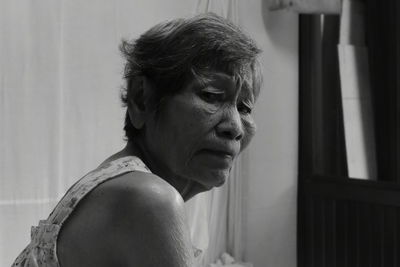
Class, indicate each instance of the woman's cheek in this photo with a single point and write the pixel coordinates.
(250, 129)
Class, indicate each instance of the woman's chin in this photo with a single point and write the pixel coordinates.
(220, 183)
(214, 179)
(202, 185)
(205, 181)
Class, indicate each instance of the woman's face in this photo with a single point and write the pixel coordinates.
(198, 133)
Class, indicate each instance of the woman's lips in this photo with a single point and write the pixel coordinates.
(220, 153)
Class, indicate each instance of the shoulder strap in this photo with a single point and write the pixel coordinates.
(87, 183)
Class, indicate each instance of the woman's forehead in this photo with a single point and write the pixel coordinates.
(243, 82)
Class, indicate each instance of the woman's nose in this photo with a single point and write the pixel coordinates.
(230, 126)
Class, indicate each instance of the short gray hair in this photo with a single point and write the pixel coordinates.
(173, 53)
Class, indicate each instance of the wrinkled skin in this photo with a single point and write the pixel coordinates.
(195, 136)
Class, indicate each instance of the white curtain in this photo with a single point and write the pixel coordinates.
(60, 114)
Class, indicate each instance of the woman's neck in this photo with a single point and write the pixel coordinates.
(182, 185)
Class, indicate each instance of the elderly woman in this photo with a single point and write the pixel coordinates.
(191, 87)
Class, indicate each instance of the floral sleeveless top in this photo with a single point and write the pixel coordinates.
(42, 250)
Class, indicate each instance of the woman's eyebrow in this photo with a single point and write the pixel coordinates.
(224, 80)
(219, 80)
(246, 90)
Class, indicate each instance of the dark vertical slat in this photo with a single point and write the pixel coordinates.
(384, 55)
(323, 231)
(357, 233)
(370, 214)
(319, 230)
(396, 80)
(381, 217)
(309, 85)
(334, 242)
(305, 137)
(318, 155)
(330, 241)
(376, 235)
(346, 234)
(389, 234)
(364, 241)
(397, 238)
(397, 77)
(352, 235)
(309, 232)
(342, 233)
(333, 148)
(302, 218)
(309, 81)
(392, 136)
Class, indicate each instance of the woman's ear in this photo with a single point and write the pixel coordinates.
(140, 94)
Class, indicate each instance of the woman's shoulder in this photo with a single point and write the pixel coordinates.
(137, 211)
(131, 194)
(138, 190)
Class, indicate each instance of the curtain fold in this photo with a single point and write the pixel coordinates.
(30, 134)
(60, 114)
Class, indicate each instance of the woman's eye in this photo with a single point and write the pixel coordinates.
(244, 109)
(212, 97)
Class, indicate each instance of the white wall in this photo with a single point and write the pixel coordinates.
(85, 76)
(270, 224)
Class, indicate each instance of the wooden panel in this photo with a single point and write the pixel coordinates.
(346, 222)
(344, 231)
(353, 189)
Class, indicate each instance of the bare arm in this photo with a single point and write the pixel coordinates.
(132, 222)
